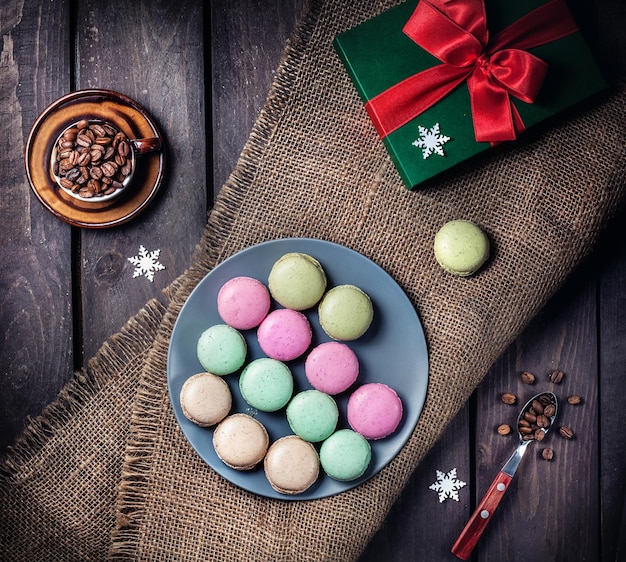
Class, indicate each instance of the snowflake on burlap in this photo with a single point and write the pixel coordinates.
(447, 485)
(431, 141)
(146, 263)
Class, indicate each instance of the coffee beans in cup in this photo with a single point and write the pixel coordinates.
(92, 159)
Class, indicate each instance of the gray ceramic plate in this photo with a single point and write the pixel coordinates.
(392, 351)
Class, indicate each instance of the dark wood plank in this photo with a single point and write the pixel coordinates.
(610, 261)
(408, 533)
(612, 330)
(248, 38)
(36, 356)
(551, 508)
(153, 52)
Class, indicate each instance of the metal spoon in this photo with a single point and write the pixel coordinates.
(485, 509)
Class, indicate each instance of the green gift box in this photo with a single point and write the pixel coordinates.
(381, 58)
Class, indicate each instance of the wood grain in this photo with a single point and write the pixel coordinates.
(248, 40)
(36, 357)
(152, 51)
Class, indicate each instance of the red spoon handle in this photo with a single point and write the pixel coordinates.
(482, 515)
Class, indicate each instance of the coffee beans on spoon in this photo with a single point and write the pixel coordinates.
(93, 159)
(535, 421)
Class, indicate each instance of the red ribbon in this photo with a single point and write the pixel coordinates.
(455, 32)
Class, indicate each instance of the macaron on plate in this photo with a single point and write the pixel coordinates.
(392, 352)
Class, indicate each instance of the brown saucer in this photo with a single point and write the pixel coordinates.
(129, 117)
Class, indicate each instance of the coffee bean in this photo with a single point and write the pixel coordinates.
(70, 134)
(574, 400)
(509, 398)
(123, 148)
(556, 376)
(545, 399)
(566, 432)
(547, 454)
(73, 174)
(536, 407)
(83, 140)
(504, 429)
(67, 184)
(109, 169)
(543, 421)
(98, 130)
(549, 410)
(84, 159)
(527, 377)
(530, 417)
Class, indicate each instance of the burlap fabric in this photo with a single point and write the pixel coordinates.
(107, 472)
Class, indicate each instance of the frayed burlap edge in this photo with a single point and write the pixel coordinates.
(59, 476)
(129, 343)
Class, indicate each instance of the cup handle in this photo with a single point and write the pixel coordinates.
(143, 146)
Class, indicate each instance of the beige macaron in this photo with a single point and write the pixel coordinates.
(205, 399)
(240, 441)
(291, 465)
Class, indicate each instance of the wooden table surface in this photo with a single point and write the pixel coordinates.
(203, 72)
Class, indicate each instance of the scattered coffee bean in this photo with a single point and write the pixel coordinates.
(556, 376)
(509, 398)
(566, 432)
(90, 154)
(504, 429)
(547, 454)
(574, 400)
(527, 377)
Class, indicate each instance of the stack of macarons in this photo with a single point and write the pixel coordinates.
(296, 282)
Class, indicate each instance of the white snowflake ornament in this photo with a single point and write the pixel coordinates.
(431, 141)
(447, 485)
(146, 263)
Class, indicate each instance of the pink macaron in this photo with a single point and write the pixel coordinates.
(331, 367)
(284, 334)
(374, 410)
(243, 302)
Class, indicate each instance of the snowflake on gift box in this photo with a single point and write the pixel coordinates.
(146, 263)
(431, 141)
(447, 485)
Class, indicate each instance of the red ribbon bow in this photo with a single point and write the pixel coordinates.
(455, 31)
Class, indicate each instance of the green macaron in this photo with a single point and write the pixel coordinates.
(461, 247)
(297, 281)
(345, 455)
(312, 415)
(266, 384)
(345, 312)
(221, 349)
